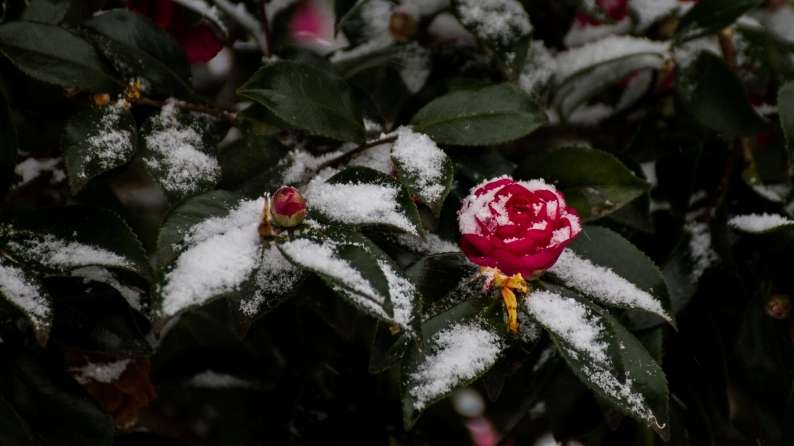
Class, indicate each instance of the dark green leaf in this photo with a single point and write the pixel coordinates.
(96, 140)
(144, 48)
(482, 115)
(711, 16)
(423, 168)
(45, 11)
(15, 431)
(94, 316)
(179, 153)
(307, 98)
(785, 107)
(359, 271)
(248, 157)
(387, 348)
(594, 182)
(709, 90)
(361, 198)
(55, 407)
(461, 345)
(344, 9)
(262, 119)
(54, 55)
(69, 237)
(186, 214)
(478, 164)
(25, 292)
(437, 275)
(8, 147)
(609, 269)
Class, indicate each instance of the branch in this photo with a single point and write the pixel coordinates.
(359, 149)
(220, 114)
(245, 19)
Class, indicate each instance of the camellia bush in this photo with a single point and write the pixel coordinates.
(406, 222)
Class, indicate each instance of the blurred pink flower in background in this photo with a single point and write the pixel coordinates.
(199, 41)
(616, 9)
(312, 26)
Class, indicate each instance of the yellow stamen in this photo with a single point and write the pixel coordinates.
(512, 310)
(507, 285)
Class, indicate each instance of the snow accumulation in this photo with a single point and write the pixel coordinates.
(700, 250)
(582, 33)
(498, 20)
(110, 145)
(421, 8)
(603, 283)
(757, 223)
(649, 12)
(778, 21)
(303, 165)
(31, 168)
(571, 321)
(275, 275)
(103, 373)
(357, 203)
(378, 158)
(459, 353)
(59, 254)
(421, 158)
(414, 62)
(17, 289)
(433, 244)
(218, 255)
(605, 50)
(210, 379)
(99, 274)
(175, 151)
(538, 70)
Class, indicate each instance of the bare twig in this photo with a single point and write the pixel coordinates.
(220, 114)
(359, 149)
(728, 49)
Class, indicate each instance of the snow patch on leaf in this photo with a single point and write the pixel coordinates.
(700, 250)
(433, 244)
(210, 379)
(99, 274)
(757, 223)
(111, 144)
(63, 255)
(498, 20)
(275, 275)
(27, 296)
(100, 372)
(420, 157)
(459, 353)
(604, 50)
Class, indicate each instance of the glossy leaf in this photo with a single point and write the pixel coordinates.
(387, 348)
(94, 316)
(45, 11)
(141, 46)
(710, 16)
(361, 198)
(428, 175)
(55, 407)
(15, 431)
(248, 157)
(461, 345)
(482, 115)
(8, 147)
(179, 153)
(24, 291)
(609, 269)
(96, 140)
(709, 90)
(594, 182)
(69, 237)
(478, 164)
(307, 98)
(56, 56)
(356, 269)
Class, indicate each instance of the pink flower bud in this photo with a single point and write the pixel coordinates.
(289, 207)
(779, 306)
(402, 26)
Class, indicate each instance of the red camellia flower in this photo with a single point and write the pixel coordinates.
(289, 207)
(516, 226)
(199, 42)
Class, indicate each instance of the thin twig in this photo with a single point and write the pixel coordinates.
(359, 149)
(728, 50)
(220, 114)
(554, 24)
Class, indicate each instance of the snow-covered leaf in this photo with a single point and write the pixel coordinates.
(609, 269)
(753, 180)
(140, 47)
(502, 25)
(481, 115)
(711, 92)
(422, 167)
(461, 344)
(594, 182)
(217, 249)
(96, 140)
(65, 238)
(711, 16)
(25, 292)
(432, 244)
(759, 223)
(94, 316)
(307, 98)
(8, 147)
(604, 355)
(56, 56)
(359, 271)
(179, 153)
(275, 280)
(363, 198)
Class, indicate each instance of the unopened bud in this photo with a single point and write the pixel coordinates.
(402, 26)
(779, 306)
(289, 207)
(101, 98)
